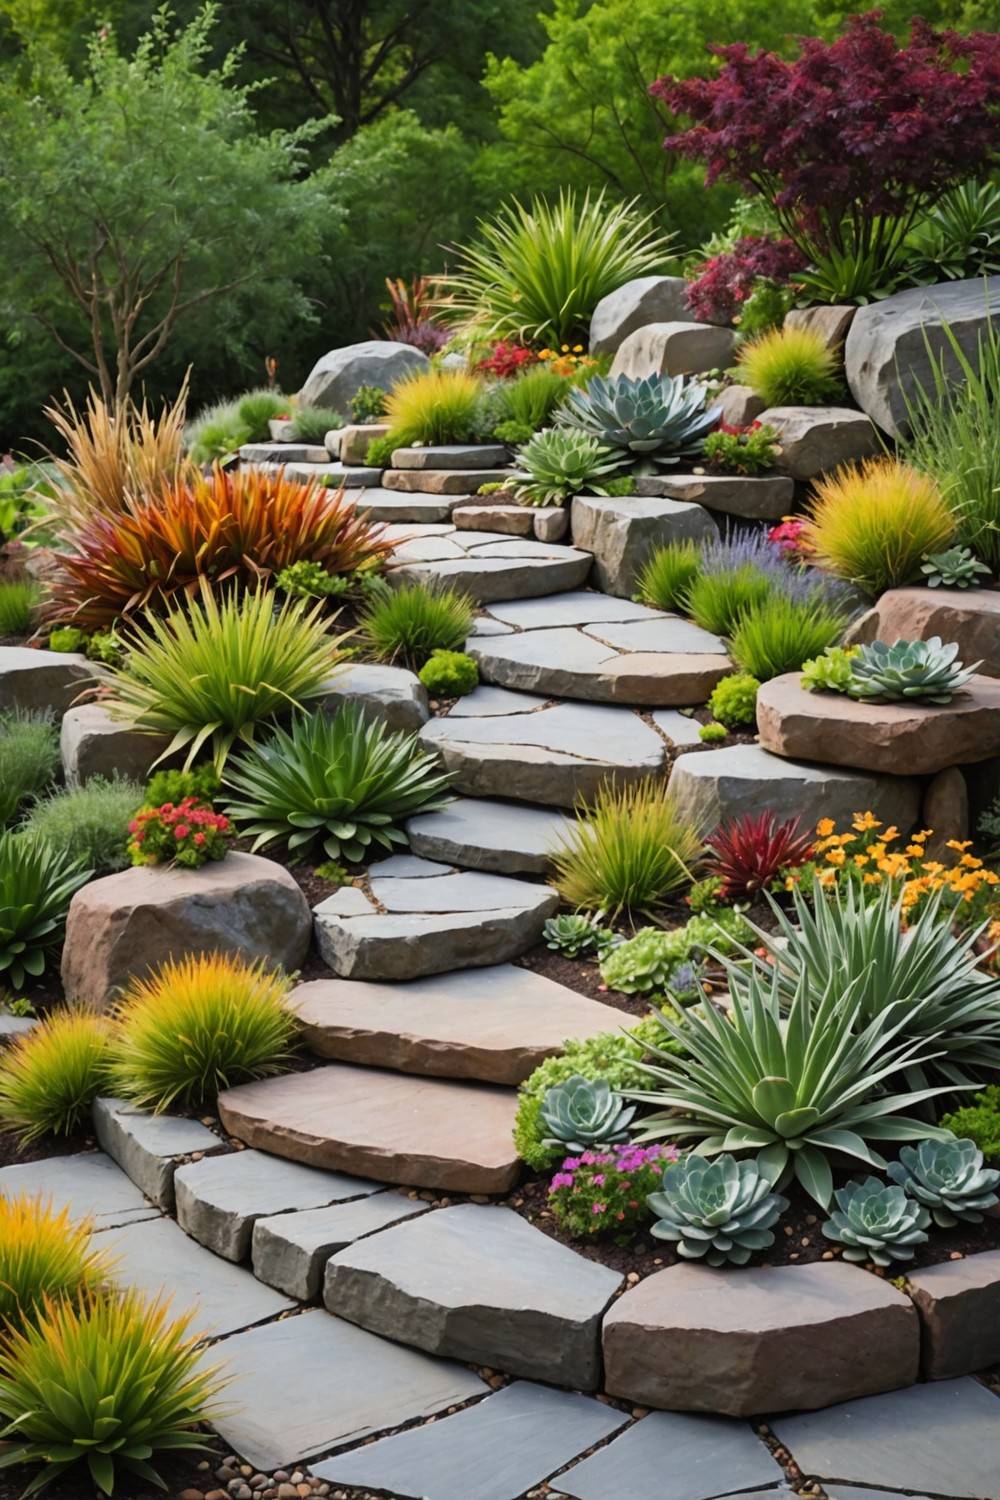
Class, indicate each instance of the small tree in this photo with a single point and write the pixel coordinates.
(137, 195)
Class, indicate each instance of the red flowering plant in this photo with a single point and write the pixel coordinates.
(741, 450)
(188, 833)
(507, 360)
(790, 537)
(724, 283)
(852, 141)
(748, 853)
(605, 1191)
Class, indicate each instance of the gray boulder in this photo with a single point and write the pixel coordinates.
(336, 377)
(621, 534)
(646, 299)
(679, 348)
(886, 354)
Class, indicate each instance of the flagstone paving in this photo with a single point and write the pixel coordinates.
(89, 1185)
(290, 1250)
(479, 834)
(486, 565)
(146, 1145)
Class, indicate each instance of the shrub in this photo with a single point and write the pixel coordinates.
(310, 424)
(791, 367)
(341, 781)
(537, 274)
(734, 700)
(257, 410)
(44, 1255)
(432, 406)
(631, 851)
(779, 634)
(605, 1191)
(717, 601)
(89, 823)
(741, 450)
(18, 602)
(37, 883)
(979, 1122)
(216, 434)
(665, 579)
(235, 531)
(747, 853)
(872, 525)
(415, 619)
(368, 404)
(449, 674)
(713, 734)
(105, 1385)
(29, 757)
(197, 1026)
(188, 834)
(652, 423)
(51, 1075)
(200, 782)
(721, 286)
(222, 671)
(558, 464)
(412, 320)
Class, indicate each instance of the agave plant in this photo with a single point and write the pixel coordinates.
(574, 934)
(718, 1211)
(877, 1223)
(926, 670)
(956, 568)
(655, 422)
(582, 1112)
(37, 883)
(949, 1178)
(559, 463)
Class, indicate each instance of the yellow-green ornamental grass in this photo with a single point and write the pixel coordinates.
(50, 1076)
(432, 406)
(43, 1254)
(791, 367)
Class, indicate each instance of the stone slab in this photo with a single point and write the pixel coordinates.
(765, 497)
(674, 348)
(391, 506)
(513, 520)
(679, 729)
(495, 1450)
(146, 1146)
(692, 1338)
(308, 1384)
(555, 756)
(578, 607)
(94, 743)
(713, 785)
(89, 1185)
(908, 739)
(442, 481)
(284, 453)
(481, 835)
(37, 681)
(425, 1132)
(959, 1306)
(352, 442)
(969, 617)
(816, 439)
(621, 534)
(488, 566)
(290, 1251)
(943, 1438)
(479, 1283)
(220, 1198)
(330, 474)
(488, 702)
(468, 456)
(674, 1456)
(865, 1494)
(495, 1024)
(158, 1260)
(16, 1025)
(387, 695)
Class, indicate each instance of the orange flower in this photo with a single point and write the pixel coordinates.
(825, 827)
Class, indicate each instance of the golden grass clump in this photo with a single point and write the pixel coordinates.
(43, 1254)
(433, 406)
(50, 1076)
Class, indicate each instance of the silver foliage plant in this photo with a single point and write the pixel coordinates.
(949, 1178)
(653, 423)
(877, 1223)
(718, 1211)
(582, 1112)
(924, 670)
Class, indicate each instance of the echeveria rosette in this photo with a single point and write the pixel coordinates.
(924, 670)
(955, 568)
(877, 1223)
(582, 1112)
(947, 1176)
(718, 1211)
(652, 422)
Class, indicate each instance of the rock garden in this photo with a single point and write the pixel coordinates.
(500, 862)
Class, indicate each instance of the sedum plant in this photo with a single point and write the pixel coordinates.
(585, 1112)
(830, 672)
(718, 1211)
(449, 674)
(574, 934)
(924, 670)
(342, 782)
(50, 1076)
(649, 962)
(558, 463)
(949, 1178)
(37, 884)
(44, 1255)
(955, 568)
(653, 422)
(979, 1122)
(713, 734)
(734, 700)
(877, 1223)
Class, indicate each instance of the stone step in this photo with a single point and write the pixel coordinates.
(394, 506)
(419, 917)
(284, 453)
(597, 648)
(444, 481)
(394, 1127)
(476, 834)
(486, 565)
(553, 754)
(468, 456)
(764, 498)
(330, 473)
(495, 1025)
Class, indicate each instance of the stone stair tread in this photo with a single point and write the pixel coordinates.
(487, 565)
(394, 1127)
(494, 1024)
(392, 506)
(284, 453)
(466, 456)
(506, 837)
(445, 481)
(331, 471)
(290, 1250)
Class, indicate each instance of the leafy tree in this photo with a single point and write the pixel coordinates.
(140, 194)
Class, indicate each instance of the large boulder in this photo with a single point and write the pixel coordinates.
(888, 351)
(337, 377)
(646, 299)
(41, 681)
(94, 743)
(622, 533)
(816, 439)
(674, 349)
(970, 617)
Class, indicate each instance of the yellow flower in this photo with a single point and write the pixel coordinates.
(915, 851)
(836, 857)
(825, 827)
(864, 821)
(959, 845)
(577, 348)
(872, 879)
(890, 834)
(564, 348)
(860, 860)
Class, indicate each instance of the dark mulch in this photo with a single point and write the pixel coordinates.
(13, 1153)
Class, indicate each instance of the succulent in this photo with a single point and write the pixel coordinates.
(573, 935)
(877, 1223)
(649, 961)
(655, 422)
(831, 672)
(719, 1211)
(955, 568)
(582, 1112)
(557, 464)
(734, 700)
(949, 1177)
(908, 669)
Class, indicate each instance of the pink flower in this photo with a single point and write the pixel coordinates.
(599, 1208)
(199, 838)
(598, 1179)
(181, 831)
(562, 1179)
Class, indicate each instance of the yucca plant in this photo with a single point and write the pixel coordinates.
(342, 782)
(631, 851)
(233, 531)
(196, 1026)
(799, 1081)
(791, 367)
(719, 1211)
(873, 524)
(408, 623)
(717, 600)
(558, 464)
(876, 1223)
(652, 423)
(216, 674)
(89, 822)
(18, 602)
(778, 634)
(537, 273)
(37, 884)
(43, 1254)
(103, 1385)
(50, 1076)
(665, 580)
(584, 1112)
(746, 853)
(29, 757)
(433, 406)
(924, 670)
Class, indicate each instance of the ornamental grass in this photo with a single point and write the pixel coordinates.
(51, 1075)
(44, 1254)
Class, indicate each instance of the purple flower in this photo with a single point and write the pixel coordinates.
(562, 1179)
(599, 1208)
(598, 1179)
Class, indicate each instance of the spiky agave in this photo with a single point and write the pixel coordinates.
(655, 422)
